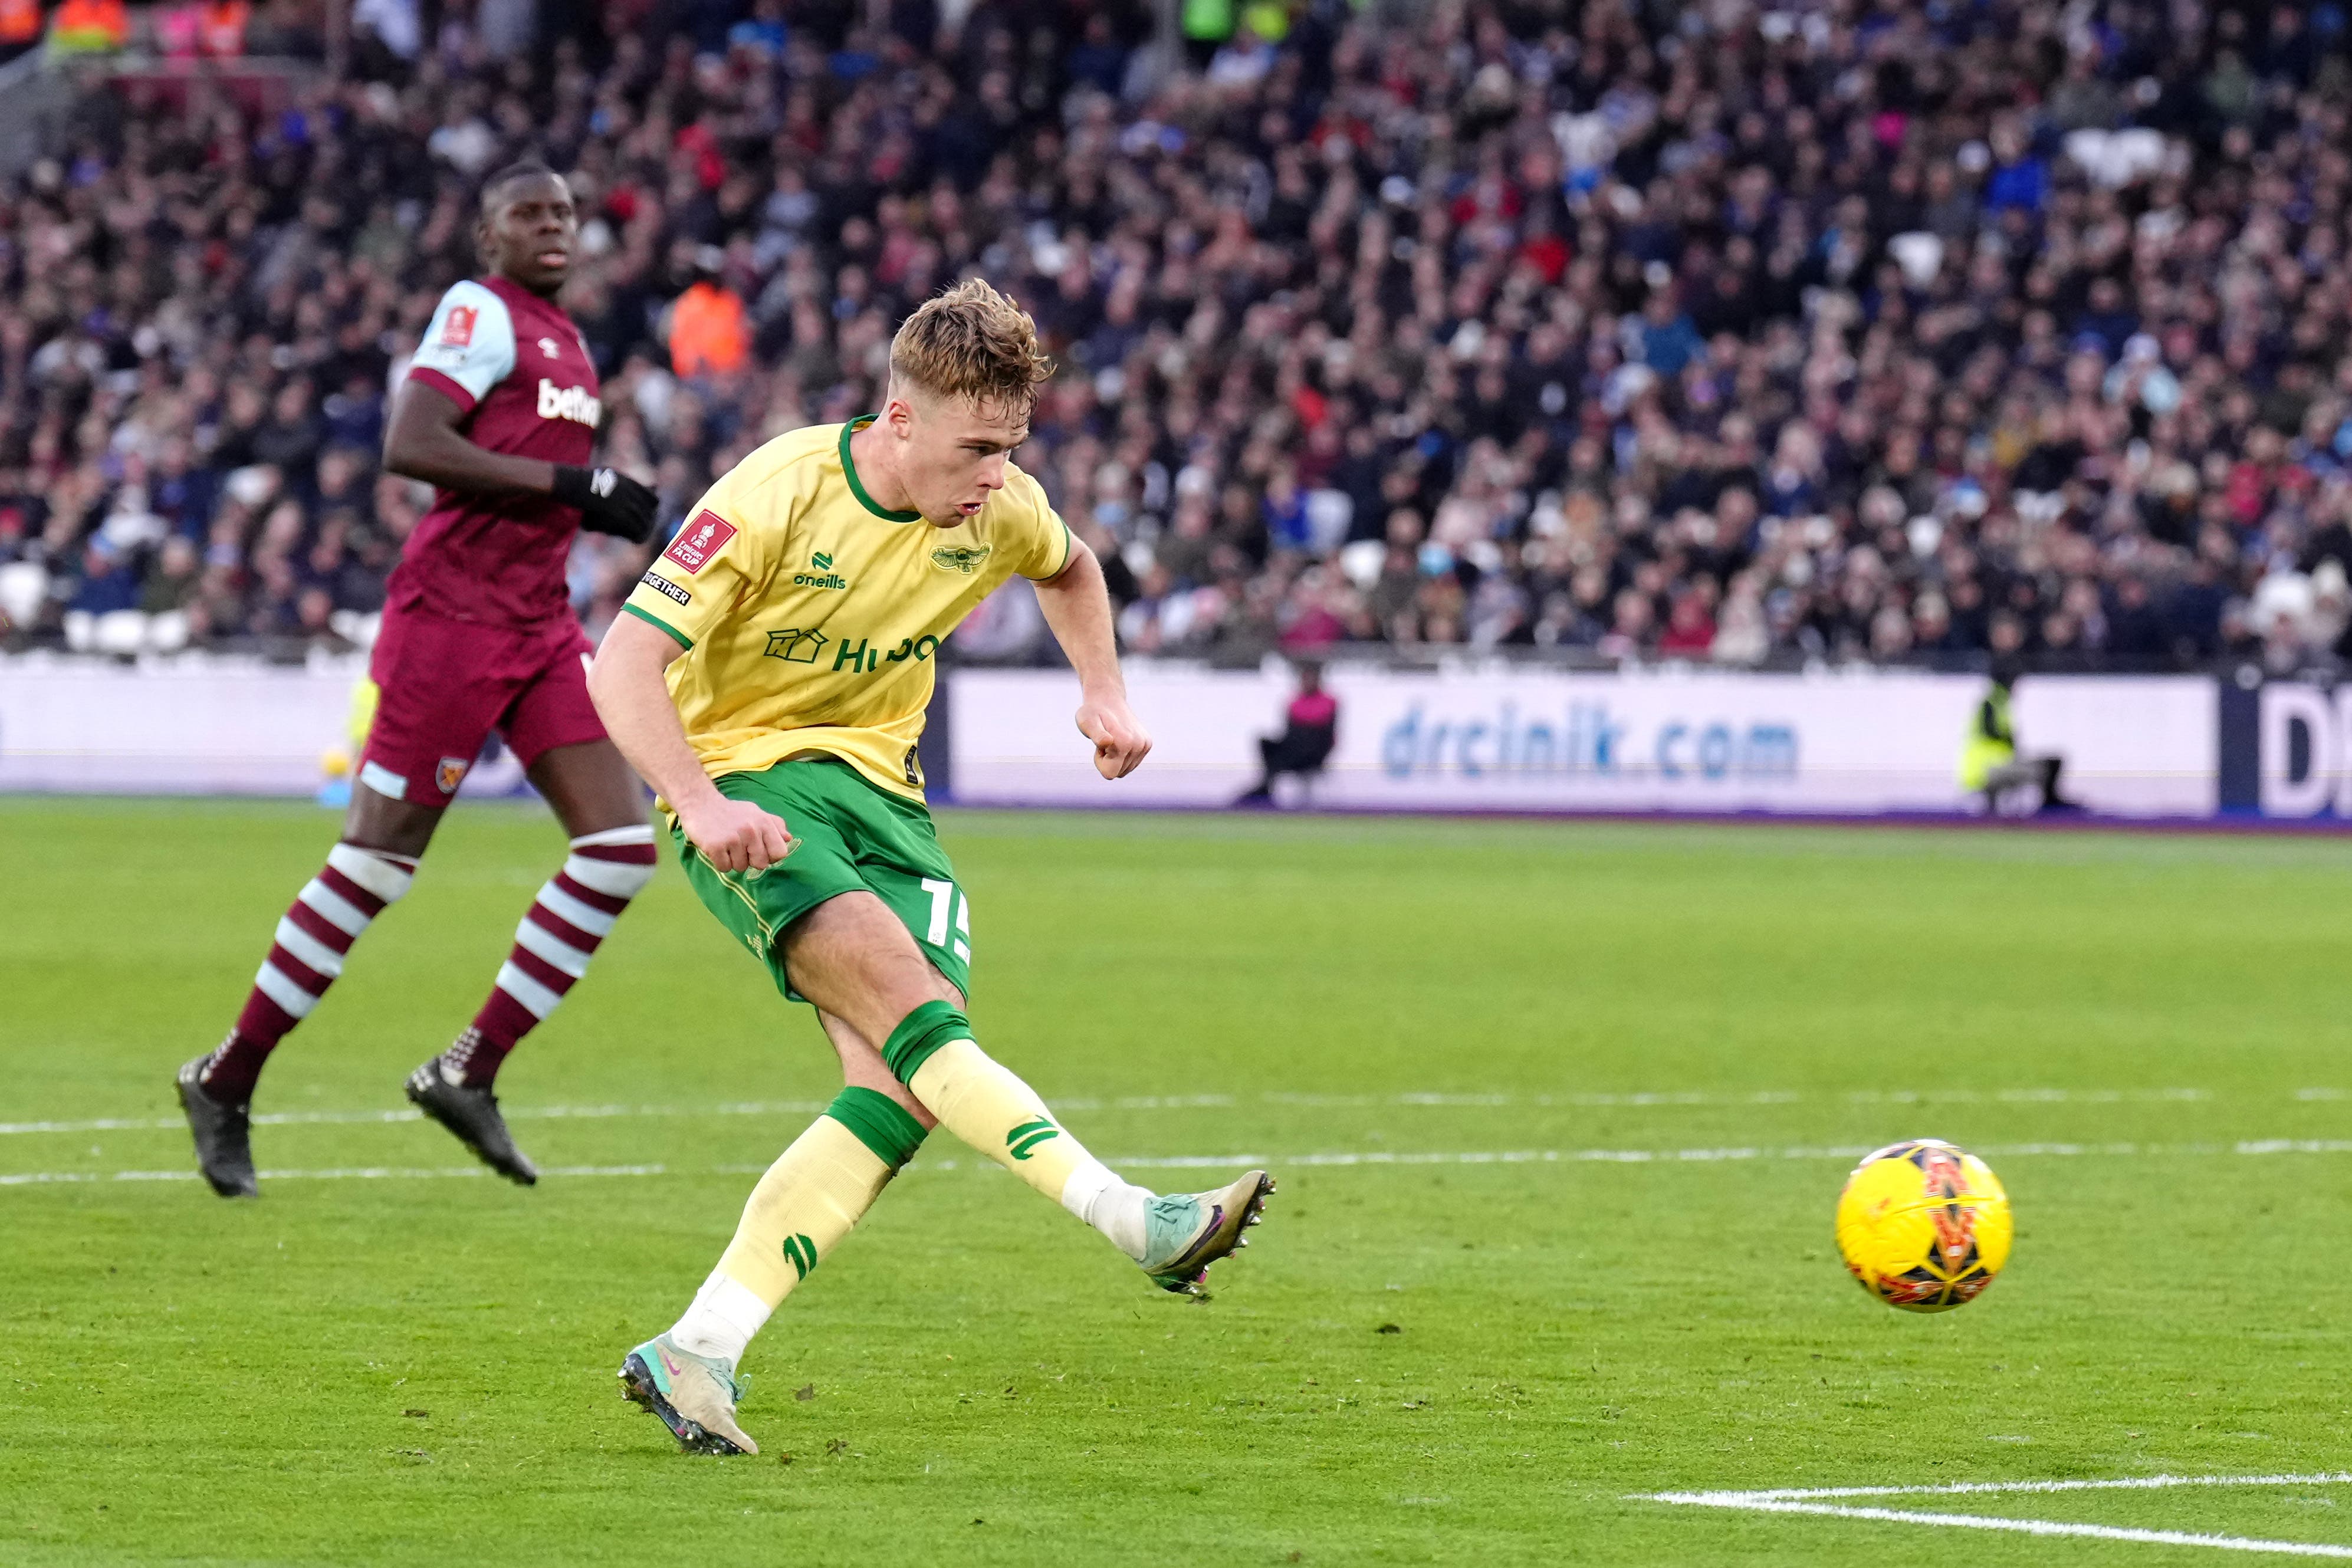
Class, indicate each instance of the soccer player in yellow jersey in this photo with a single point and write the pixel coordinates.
(770, 679)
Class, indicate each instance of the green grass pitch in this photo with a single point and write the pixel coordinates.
(1428, 1355)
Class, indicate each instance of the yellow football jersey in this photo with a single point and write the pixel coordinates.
(811, 617)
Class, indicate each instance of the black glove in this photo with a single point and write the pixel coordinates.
(610, 502)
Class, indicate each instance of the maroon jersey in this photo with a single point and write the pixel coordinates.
(520, 370)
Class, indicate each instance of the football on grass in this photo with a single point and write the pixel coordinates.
(1924, 1226)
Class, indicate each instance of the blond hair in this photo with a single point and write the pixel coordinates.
(971, 342)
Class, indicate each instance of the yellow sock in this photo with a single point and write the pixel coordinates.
(806, 1203)
(988, 1106)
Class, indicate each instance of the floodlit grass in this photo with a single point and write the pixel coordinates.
(1428, 1356)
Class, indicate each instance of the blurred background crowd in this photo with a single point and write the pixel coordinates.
(1718, 331)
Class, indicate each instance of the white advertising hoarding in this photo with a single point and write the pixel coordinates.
(1491, 738)
(188, 725)
(1520, 739)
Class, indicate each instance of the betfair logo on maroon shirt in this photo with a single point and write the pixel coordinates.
(700, 540)
(575, 403)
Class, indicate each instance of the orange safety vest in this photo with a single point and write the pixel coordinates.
(20, 21)
(90, 25)
(221, 32)
(710, 332)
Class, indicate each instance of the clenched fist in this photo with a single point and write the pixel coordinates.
(1120, 744)
(735, 835)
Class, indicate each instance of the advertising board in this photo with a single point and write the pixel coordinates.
(1470, 738)
(1525, 739)
(188, 725)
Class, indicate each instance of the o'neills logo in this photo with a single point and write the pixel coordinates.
(577, 405)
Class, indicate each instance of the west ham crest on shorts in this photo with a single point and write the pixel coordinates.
(450, 774)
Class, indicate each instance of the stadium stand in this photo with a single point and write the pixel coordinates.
(1848, 331)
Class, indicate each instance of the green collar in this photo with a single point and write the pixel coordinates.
(849, 472)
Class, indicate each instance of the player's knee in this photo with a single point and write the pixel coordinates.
(921, 1034)
(862, 1067)
(392, 827)
(880, 1081)
(590, 786)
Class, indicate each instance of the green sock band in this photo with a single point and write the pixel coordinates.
(881, 1123)
(920, 1033)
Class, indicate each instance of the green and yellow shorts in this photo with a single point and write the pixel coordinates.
(852, 837)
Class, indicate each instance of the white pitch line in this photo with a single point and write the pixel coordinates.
(1707, 1156)
(1685, 1097)
(338, 1118)
(2048, 1527)
(1797, 1499)
(1968, 1489)
(341, 1173)
(1281, 1162)
(2298, 1146)
(572, 1112)
(1420, 1099)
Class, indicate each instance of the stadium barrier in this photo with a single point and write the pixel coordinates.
(1463, 737)
(194, 724)
(1520, 738)
(2285, 749)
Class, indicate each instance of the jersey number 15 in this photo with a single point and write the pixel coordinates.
(943, 895)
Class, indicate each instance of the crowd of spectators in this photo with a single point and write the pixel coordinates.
(1711, 331)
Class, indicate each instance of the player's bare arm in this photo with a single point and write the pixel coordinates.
(626, 682)
(424, 440)
(1077, 603)
(526, 233)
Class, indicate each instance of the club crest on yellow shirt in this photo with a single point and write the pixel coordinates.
(965, 558)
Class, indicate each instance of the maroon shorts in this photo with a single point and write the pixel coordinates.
(446, 684)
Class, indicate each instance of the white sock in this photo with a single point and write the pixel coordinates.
(1095, 1194)
(726, 1314)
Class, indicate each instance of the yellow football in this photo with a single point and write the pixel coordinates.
(1924, 1226)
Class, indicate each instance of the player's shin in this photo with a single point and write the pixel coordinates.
(559, 933)
(306, 955)
(988, 1106)
(802, 1208)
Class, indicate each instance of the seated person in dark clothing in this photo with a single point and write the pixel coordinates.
(109, 582)
(1311, 729)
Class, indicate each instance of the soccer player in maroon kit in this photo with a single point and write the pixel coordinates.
(499, 412)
